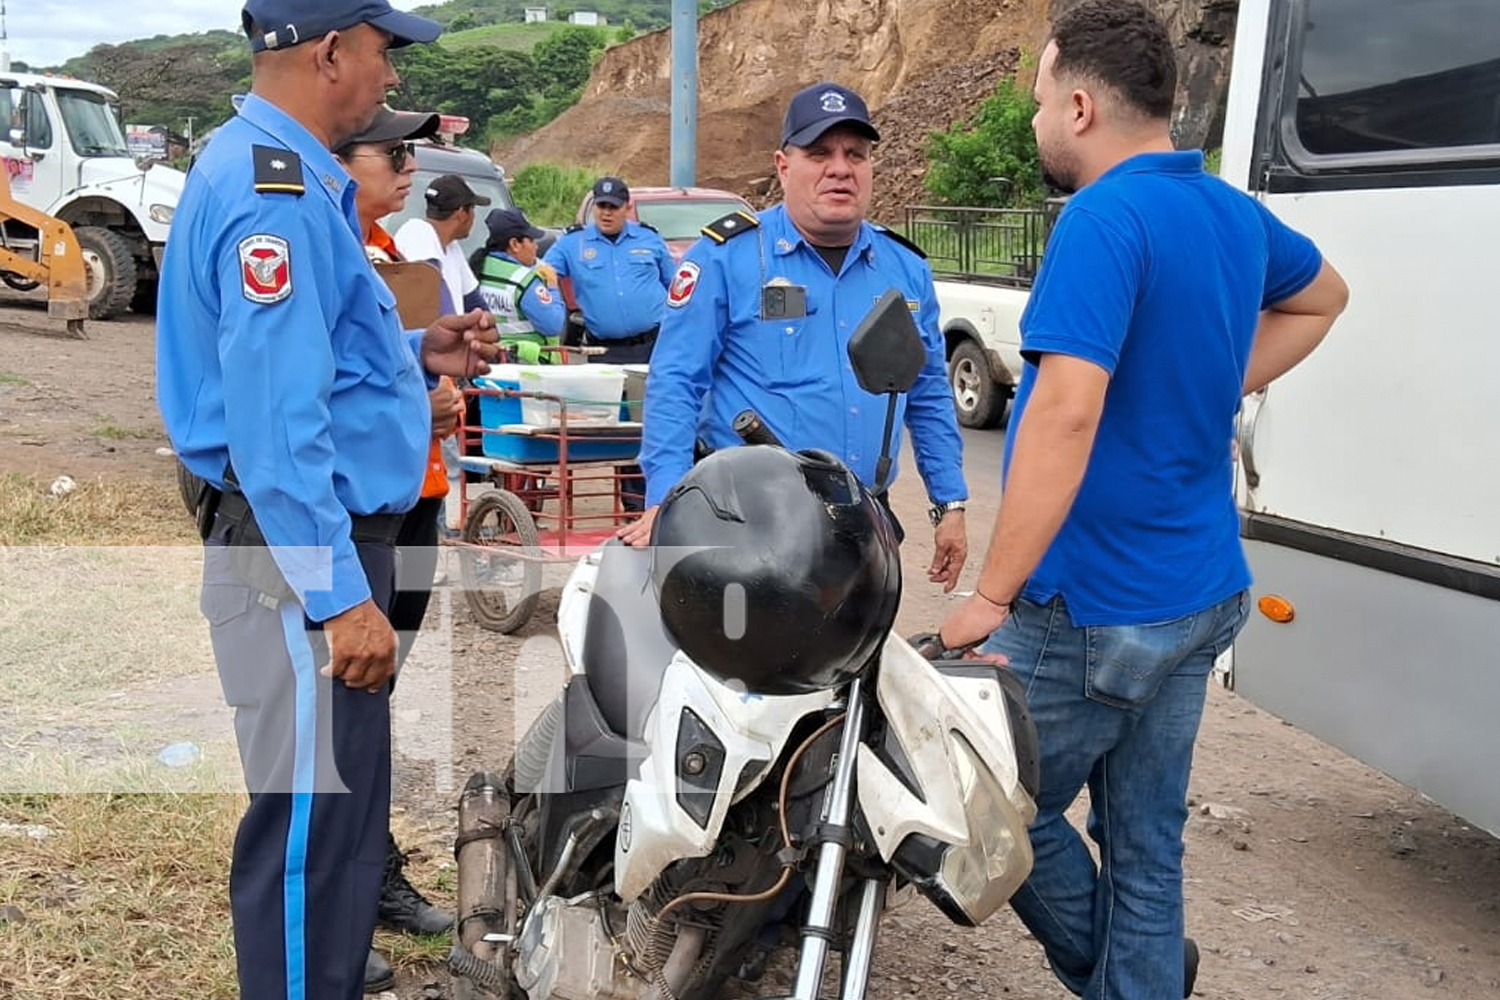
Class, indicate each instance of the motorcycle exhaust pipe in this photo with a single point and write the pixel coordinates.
(486, 894)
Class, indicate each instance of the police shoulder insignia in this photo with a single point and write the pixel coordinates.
(265, 268)
(576, 227)
(647, 225)
(684, 283)
(892, 234)
(277, 171)
(720, 230)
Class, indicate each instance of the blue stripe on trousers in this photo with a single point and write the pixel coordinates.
(294, 883)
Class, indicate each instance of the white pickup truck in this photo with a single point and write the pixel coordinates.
(983, 260)
(981, 324)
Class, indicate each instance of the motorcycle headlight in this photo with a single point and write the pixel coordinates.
(161, 214)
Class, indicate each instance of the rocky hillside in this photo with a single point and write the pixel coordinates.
(921, 64)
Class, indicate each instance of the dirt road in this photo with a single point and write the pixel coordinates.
(1308, 875)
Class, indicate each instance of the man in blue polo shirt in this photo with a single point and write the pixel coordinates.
(620, 271)
(1114, 576)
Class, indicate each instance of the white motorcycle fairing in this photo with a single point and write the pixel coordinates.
(963, 840)
(709, 747)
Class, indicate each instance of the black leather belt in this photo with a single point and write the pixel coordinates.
(646, 337)
(377, 529)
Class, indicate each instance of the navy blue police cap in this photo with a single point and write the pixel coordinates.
(280, 24)
(819, 108)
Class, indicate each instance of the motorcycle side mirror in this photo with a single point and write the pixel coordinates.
(888, 356)
(886, 348)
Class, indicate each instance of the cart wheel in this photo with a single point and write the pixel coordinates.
(502, 589)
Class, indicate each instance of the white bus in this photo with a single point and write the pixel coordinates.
(1369, 485)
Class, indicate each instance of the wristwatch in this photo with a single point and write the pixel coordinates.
(938, 510)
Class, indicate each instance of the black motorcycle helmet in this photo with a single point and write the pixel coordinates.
(776, 570)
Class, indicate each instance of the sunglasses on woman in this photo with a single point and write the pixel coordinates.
(398, 154)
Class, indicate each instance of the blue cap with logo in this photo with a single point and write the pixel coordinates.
(280, 24)
(819, 108)
(611, 191)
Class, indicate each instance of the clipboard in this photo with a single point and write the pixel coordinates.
(417, 286)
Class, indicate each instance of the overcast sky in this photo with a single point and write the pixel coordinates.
(49, 32)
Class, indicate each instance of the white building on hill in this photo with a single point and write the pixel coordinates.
(535, 14)
(588, 17)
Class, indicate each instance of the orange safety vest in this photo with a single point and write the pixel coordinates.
(435, 477)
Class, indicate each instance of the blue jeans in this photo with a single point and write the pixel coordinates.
(1117, 708)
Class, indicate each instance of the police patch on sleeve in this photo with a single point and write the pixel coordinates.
(543, 295)
(265, 268)
(683, 284)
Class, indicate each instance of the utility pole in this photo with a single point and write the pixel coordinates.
(4, 42)
(684, 164)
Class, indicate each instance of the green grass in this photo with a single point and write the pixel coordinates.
(550, 193)
(514, 37)
(114, 432)
(6, 378)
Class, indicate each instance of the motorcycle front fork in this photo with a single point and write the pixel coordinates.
(818, 933)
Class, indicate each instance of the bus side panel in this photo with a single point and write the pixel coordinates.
(1401, 674)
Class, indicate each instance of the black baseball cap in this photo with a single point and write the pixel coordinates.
(611, 191)
(506, 224)
(450, 192)
(819, 108)
(280, 24)
(389, 125)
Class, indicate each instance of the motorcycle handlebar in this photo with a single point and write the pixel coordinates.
(929, 646)
(753, 430)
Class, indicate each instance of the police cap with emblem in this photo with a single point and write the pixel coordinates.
(280, 24)
(819, 108)
(611, 191)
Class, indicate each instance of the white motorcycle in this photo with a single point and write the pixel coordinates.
(744, 760)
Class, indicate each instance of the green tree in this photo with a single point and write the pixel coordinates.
(463, 22)
(565, 58)
(625, 32)
(475, 81)
(996, 143)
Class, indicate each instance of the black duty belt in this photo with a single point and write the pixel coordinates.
(377, 529)
(645, 337)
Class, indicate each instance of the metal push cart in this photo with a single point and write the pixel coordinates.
(546, 494)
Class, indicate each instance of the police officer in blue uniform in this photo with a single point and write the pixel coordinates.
(286, 383)
(620, 270)
(759, 317)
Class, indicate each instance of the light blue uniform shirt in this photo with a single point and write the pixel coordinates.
(620, 284)
(716, 357)
(296, 372)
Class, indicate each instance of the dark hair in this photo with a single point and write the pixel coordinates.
(1122, 45)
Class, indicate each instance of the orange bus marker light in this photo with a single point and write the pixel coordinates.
(1278, 609)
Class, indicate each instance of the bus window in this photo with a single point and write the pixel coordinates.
(1374, 79)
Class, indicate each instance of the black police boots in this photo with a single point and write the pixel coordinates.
(378, 974)
(402, 907)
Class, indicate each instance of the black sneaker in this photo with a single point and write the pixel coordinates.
(378, 974)
(402, 907)
(1189, 966)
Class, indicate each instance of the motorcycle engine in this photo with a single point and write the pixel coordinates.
(565, 953)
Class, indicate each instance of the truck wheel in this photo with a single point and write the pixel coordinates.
(143, 302)
(109, 268)
(980, 401)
